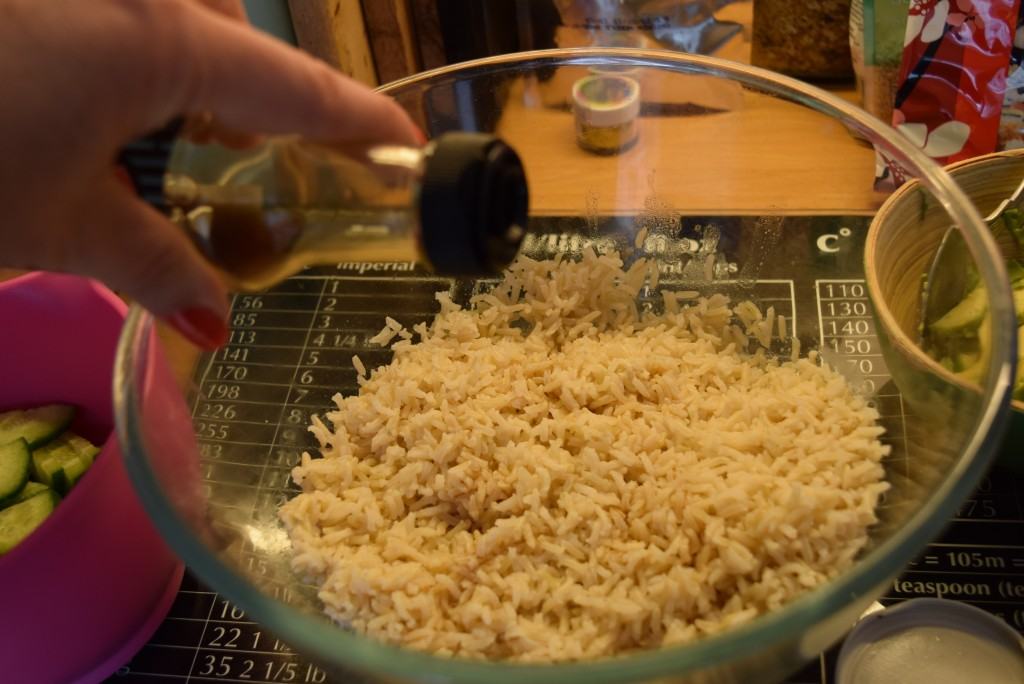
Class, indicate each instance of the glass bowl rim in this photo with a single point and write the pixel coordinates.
(330, 645)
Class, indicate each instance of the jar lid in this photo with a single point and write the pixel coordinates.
(605, 100)
(928, 641)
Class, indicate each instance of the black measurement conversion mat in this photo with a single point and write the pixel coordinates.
(290, 351)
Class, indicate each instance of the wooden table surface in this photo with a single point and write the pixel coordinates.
(764, 156)
(704, 146)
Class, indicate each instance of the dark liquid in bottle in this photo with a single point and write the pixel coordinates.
(253, 244)
(259, 247)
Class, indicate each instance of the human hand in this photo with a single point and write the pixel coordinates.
(81, 79)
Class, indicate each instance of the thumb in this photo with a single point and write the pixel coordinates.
(135, 250)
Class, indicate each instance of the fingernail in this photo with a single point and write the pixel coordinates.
(201, 327)
(422, 136)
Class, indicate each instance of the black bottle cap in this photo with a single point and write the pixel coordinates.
(473, 204)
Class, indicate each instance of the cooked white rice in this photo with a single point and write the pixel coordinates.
(555, 477)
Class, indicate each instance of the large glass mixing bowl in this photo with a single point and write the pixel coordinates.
(737, 180)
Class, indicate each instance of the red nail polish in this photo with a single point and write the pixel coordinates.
(201, 327)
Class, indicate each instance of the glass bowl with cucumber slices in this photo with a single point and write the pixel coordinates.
(951, 346)
(86, 577)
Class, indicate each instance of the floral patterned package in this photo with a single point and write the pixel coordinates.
(952, 80)
(1011, 127)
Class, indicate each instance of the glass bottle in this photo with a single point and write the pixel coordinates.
(458, 205)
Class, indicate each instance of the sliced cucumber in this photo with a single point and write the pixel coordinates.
(962, 362)
(36, 426)
(48, 470)
(14, 466)
(74, 469)
(19, 520)
(976, 372)
(85, 449)
(62, 462)
(1016, 271)
(965, 316)
(28, 491)
(1018, 305)
(1013, 219)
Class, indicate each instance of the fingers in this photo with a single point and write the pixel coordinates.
(136, 251)
(202, 129)
(233, 9)
(252, 83)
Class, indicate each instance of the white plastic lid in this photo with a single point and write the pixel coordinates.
(927, 641)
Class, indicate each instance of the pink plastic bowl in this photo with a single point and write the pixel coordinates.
(91, 585)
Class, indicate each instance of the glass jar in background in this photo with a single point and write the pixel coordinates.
(808, 39)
